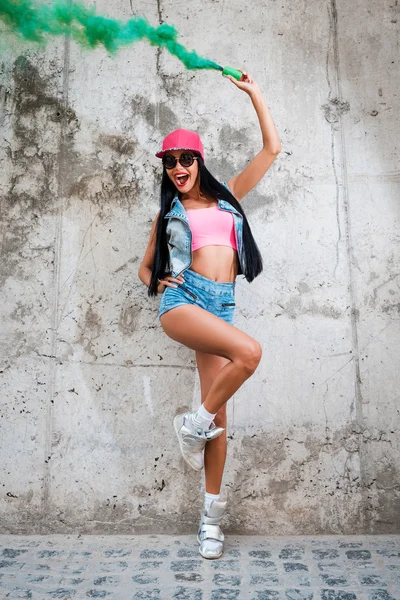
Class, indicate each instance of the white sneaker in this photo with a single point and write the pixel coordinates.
(192, 439)
(210, 536)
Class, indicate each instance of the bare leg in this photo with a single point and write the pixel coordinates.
(209, 365)
(202, 331)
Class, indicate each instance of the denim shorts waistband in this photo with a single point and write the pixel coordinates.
(205, 283)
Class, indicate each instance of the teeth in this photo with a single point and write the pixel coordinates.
(181, 178)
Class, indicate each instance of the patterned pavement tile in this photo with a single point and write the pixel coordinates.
(170, 568)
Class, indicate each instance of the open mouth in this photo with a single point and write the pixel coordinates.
(181, 179)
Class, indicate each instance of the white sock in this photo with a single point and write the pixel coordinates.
(202, 418)
(208, 498)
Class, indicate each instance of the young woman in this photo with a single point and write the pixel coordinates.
(199, 242)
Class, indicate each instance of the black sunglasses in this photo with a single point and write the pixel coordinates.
(186, 159)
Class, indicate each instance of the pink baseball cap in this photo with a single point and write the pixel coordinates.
(182, 139)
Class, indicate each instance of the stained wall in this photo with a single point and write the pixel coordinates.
(89, 380)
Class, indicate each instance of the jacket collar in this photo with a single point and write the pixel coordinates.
(178, 210)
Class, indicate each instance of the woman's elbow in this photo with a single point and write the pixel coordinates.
(274, 150)
(142, 272)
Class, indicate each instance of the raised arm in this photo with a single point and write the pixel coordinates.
(241, 184)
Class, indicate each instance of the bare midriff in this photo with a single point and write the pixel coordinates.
(219, 263)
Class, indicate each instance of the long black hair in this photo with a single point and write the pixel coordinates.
(210, 187)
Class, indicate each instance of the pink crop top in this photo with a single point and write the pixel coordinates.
(211, 227)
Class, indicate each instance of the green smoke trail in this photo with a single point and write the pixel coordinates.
(35, 22)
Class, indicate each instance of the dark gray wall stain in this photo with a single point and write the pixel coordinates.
(32, 107)
(118, 143)
(334, 109)
(129, 319)
(167, 120)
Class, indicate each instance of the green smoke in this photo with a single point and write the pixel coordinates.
(37, 21)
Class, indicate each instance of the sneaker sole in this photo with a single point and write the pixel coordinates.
(209, 557)
(178, 422)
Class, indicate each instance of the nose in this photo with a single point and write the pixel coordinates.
(179, 169)
(179, 162)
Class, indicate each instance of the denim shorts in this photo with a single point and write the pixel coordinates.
(218, 297)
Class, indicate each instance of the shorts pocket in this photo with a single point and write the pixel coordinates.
(179, 295)
(182, 287)
(226, 310)
(226, 303)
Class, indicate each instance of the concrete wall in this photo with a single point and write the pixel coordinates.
(90, 382)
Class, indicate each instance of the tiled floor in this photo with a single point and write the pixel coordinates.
(171, 568)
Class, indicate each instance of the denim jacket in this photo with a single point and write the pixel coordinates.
(179, 236)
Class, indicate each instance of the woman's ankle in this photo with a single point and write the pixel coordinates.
(208, 498)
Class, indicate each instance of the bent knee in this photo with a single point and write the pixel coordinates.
(251, 356)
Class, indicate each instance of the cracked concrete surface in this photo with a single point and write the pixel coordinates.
(90, 383)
